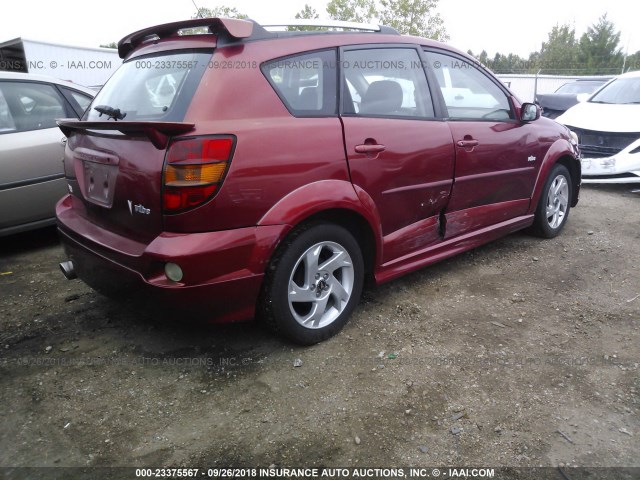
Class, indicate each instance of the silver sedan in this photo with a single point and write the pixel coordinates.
(32, 147)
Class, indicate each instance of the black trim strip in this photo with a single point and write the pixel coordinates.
(420, 186)
(33, 181)
(628, 175)
(497, 173)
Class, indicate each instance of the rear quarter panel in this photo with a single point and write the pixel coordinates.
(275, 154)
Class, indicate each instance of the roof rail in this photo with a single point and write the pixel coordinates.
(366, 27)
(230, 27)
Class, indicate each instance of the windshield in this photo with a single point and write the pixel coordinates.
(621, 90)
(151, 88)
(579, 87)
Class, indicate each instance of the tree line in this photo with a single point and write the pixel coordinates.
(596, 52)
(409, 17)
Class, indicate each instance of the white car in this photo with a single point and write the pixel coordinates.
(608, 129)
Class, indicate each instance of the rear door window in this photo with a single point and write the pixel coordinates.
(79, 101)
(306, 83)
(387, 82)
(6, 119)
(153, 87)
(27, 106)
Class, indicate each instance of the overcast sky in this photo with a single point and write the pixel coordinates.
(504, 26)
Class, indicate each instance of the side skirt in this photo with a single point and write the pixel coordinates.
(448, 248)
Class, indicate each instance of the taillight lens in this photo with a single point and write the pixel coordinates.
(194, 171)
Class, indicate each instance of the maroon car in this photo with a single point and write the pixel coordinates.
(248, 172)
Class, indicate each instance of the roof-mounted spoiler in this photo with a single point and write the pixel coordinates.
(228, 27)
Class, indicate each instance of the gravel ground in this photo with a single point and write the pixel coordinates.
(521, 353)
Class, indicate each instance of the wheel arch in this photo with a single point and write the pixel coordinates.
(334, 201)
(355, 224)
(562, 153)
(575, 170)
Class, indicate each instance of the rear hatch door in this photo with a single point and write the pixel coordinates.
(115, 155)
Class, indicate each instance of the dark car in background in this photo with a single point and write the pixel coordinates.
(565, 97)
(252, 172)
(32, 147)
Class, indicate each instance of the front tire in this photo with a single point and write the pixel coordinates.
(555, 203)
(313, 283)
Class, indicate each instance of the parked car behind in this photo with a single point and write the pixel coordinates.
(252, 172)
(32, 147)
(569, 94)
(608, 129)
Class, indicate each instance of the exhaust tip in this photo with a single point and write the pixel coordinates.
(68, 270)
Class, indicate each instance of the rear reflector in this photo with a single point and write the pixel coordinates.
(194, 171)
(173, 272)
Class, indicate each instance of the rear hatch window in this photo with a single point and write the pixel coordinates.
(156, 87)
(117, 174)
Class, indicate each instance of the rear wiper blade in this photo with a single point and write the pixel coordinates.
(111, 112)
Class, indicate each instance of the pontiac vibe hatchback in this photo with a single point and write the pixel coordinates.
(255, 171)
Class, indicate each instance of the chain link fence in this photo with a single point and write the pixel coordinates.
(527, 86)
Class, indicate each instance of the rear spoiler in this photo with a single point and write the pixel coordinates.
(157, 132)
(229, 27)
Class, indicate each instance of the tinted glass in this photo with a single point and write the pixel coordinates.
(79, 101)
(388, 82)
(153, 88)
(579, 87)
(305, 83)
(6, 119)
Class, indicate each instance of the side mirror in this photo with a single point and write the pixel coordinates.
(529, 112)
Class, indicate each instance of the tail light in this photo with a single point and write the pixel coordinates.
(194, 171)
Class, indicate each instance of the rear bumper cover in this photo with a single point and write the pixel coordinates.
(223, 271)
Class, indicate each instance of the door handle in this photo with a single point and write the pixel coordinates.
(63, 140)
(467, 143)
(370, 149)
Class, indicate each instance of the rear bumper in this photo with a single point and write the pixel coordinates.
(223, 271)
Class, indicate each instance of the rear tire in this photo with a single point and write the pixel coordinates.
(554, 204)
(313, 283)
